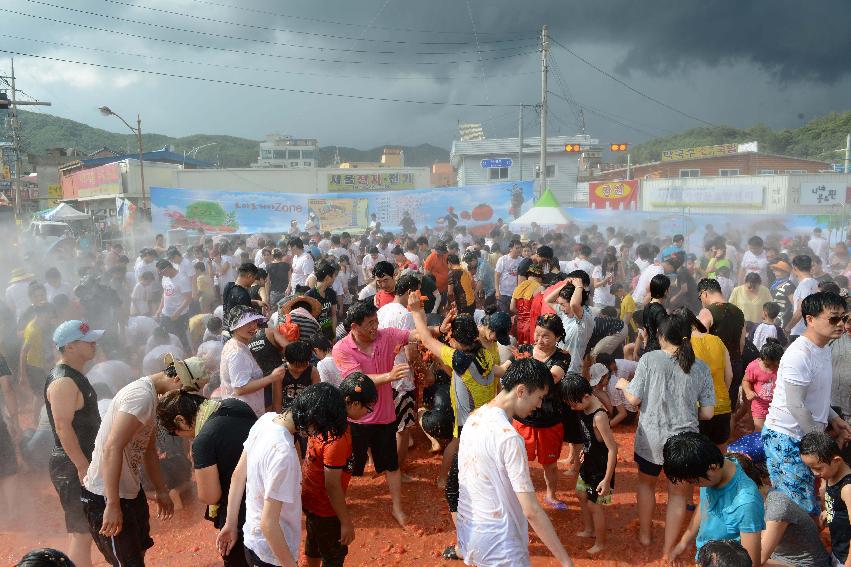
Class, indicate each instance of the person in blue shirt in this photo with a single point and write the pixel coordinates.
(731, 505)
(675, 248)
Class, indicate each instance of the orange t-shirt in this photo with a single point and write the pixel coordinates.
(335, 454)
(438, 267)
(382, 298)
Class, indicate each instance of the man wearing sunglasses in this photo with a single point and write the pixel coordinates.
(801, 401)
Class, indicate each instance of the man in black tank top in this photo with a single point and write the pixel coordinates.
(72, 409)
(727, 322)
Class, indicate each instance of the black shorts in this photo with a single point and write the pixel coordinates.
(380, 439)
(8, 458)
(452, 489)
(717, 428)
(646, 467)
(128, 548)
(66, 481)
(254, 561)
(323, 540)
(572, 427)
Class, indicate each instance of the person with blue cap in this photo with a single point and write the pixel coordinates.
(72, 410)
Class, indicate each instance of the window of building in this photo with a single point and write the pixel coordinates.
(766, 172)
(266, 154)
(728, 172)
(306, 154)
(307, 164)
(551, 171)
(689, 173)
(796, 171)
(293, 164)
(279, 154)
(498, 173)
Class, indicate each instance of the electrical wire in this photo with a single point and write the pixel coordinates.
(243, 51)
(261, 69)
(257, 86)
(628, 86)
(603, 114)
(566, 90)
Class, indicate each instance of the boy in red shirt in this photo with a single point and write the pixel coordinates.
(326, 472)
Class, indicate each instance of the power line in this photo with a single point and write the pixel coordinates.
(246, 52)
(605, 115)
(260, 69)
(258, 86)
(353, 24)
(566, 91)
(630, 87)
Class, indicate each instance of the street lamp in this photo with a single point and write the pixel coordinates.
(106, 111)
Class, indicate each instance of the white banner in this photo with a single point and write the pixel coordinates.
(711, 196)
(822, 193)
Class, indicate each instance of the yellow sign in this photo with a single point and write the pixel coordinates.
(701, 152)
(339, 183)
(7, 173)
(340, 214)
(54, 194)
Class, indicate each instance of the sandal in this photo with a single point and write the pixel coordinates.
(555, 505)
(449, 553)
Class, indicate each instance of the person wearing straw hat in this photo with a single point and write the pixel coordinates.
(112, 495)
(240, 374)
(17, 296)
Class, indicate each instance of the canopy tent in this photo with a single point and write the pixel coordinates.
(546, 213)
(63, 212)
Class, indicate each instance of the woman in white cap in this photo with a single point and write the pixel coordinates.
(240, 374)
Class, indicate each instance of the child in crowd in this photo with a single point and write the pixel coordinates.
(36, 357)
(768, 329)
(731, 506)
(759, 379)
(600, 455)
(621, 410)
(821, 453)
(213, 332)
(724, 280)
(204, 292)
(142, 297)
(328, 371)
(299, 374)
(599, 382)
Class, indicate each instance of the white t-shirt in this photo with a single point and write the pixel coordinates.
(139, 399)
(577, 264)
(412, 258)
(626, 369)
(153, 361)
(819, 245)
(396, 316)
(328, 371)
(339, 251)
(140, 299)
(63, 289)
(368, 264)
(237, 369)
(602, 295)
(803, 364)
(763, 332)
(174, 294)
(506, 269)
(139, 329)
(302, 267)
(806, 287)
(754, 264)
(274, 472)
(229, 275)
(492, 469)
(642, 287)
(114, 373)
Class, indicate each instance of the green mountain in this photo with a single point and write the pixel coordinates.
(40, 132)
(816, 139)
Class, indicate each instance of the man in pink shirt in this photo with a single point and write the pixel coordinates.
(372, 351)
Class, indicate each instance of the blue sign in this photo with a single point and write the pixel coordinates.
(496, 163)
(840, 168)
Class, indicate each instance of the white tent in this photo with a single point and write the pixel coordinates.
(63, 212)
(546, 214)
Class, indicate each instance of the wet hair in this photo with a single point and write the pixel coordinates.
(659, 286)
(147, 276)
(771, 351)
(771, 309)
(552, 323)
(585, 250)
(407, 282)
(323, 270)
(753, 278)
(383, 269)
(199, 267)
(298, 352)
(574, 388)
(688, 314)
(802, 262)
(689, 455)
(358, 387)
(214, 324)
(441, 248)
(52, 273)
(545, 252)
(514, 242)
(61, 301)
(465, 330)
(45, 557)
(616, 287)
(296, 243)
(821, 445)
(359, 311)
(748, 467)
(321, 342)
(609, 311)
(248, 269)
(531, 373)
(723, 553)
(755, 241)
(178, 403)
(816, 303)
(262, 274)
(453, 259)
(605, 359)
(709, 285)
(830, 286)
(320, 410)
(676, 329)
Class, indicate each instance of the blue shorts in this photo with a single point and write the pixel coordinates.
(788, 472)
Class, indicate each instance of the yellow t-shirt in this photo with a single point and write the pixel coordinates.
(197, 326)
(473, 381)
(627, 308)
(712, 351)
(34, 339)
(751, 305)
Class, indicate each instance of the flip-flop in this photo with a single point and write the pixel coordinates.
(449, 553)
(555, 505)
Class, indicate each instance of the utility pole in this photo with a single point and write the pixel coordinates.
(13, 110)
(847, 153)
(545, 48)
(581, 121)
(520, 144)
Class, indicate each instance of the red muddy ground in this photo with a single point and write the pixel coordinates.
(187, 540)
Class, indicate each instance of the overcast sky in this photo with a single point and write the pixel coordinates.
(722, 62)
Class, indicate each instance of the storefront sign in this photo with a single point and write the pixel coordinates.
(709, 196)
(613, 194)
(346, 182)
(95, 182)
(823, 193)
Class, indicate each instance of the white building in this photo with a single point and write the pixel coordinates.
(286, 152)
(562, 167)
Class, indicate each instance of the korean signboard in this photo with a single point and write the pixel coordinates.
(613, 194)
(708, 196)
(350, 182)
(104, 180)
(823, 193)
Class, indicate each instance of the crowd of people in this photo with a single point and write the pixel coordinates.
(260, 374)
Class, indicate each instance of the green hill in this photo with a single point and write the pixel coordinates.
(817, 139)
(40, 131)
